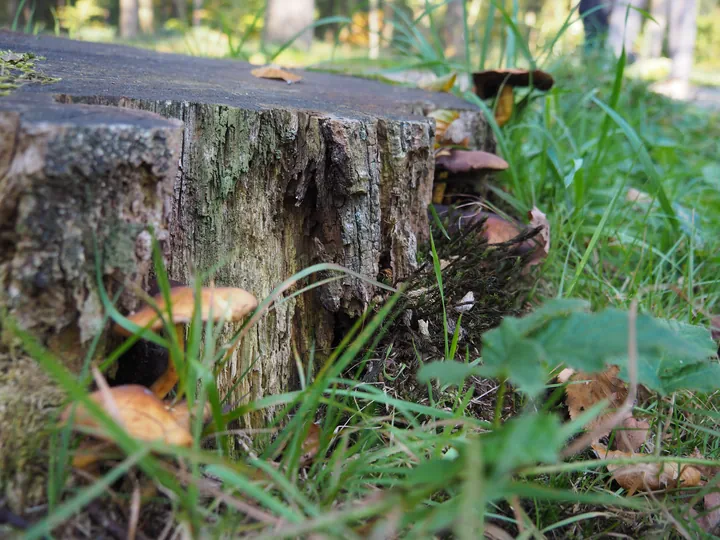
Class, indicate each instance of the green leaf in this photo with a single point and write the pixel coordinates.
(524, 440)
(447, 372)
(524, 350)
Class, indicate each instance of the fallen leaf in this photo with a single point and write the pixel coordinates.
(441, 84)
(708, 471)
(646, 476)
(460, 161)
(710, 520)
(270, 72)
(443, 118)
(466, 303)
(637, 196)
(715, 327)
(458, 133)
(504, 106)
(12, 58)
(564, 375)
(311, 444)
(542, 240)
(587, 389)
(632, 435)
(438, 192)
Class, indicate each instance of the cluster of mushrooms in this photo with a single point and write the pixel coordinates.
(460, 172)
(145, 413)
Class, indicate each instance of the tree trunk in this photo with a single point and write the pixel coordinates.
(681, 39)
(453, 29)
(656, 30)
(286, 18)
(146, 16)
(197, 15)
(129, 18)
(181, 10)
(271, 180)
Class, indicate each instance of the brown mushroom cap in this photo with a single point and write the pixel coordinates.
(459, 161)
(488, 83)
(227, 304)
(140, 412)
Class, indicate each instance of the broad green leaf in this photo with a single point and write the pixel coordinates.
(524, 350)
(522, 441)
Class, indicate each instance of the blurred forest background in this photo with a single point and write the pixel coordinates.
(317, 31)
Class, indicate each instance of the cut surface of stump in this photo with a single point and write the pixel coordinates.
(272, 178)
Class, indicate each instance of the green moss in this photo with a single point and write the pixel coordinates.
(18, 69)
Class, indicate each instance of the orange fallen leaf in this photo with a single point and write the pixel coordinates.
(270, 72)
(504, 106)
(443, 118)
(498, 230)
(438, 192)
(646, 476)
(458, 133)
(587, 389)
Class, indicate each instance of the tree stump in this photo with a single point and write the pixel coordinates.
(265, 177)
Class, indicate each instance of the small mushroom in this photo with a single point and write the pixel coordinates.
(500, 82)
(143, 415)
(226, 304)
(462, 161)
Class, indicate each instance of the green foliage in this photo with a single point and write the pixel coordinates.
(524, 350)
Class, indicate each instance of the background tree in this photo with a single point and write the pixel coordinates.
(286, 18)
(129, 21)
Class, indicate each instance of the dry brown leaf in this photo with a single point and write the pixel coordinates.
(461, 161)
(270, 72)
(311, 444)
(504, 106)
(587, 389)
(644, 476)
(542, 240)
(632, 435)
(564, 375)
(708, 471)
(715, 327)
(711, 518)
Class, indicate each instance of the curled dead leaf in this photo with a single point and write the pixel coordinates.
(632, 435)
(587, 389)
(438, 192)
(711, 517)
(270, 72)
(539, 219)
(441, 84)
(647, 476)
(458, 133)
(443, 118)
(504, 106)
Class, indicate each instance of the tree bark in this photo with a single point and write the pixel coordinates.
(146, 16)
(181, 10)
(272, 178)
(196, 15)
(70, 176)
(681, 39)
(286, 18)
(129, 22)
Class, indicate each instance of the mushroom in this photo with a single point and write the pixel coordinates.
(502, 81)
(143, 415)
(463, 169)
(225, 304)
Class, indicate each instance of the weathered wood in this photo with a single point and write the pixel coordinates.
(71, 177)
(272, 178)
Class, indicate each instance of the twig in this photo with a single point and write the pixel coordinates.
(627, 406)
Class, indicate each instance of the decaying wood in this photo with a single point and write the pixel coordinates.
(272, 178)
